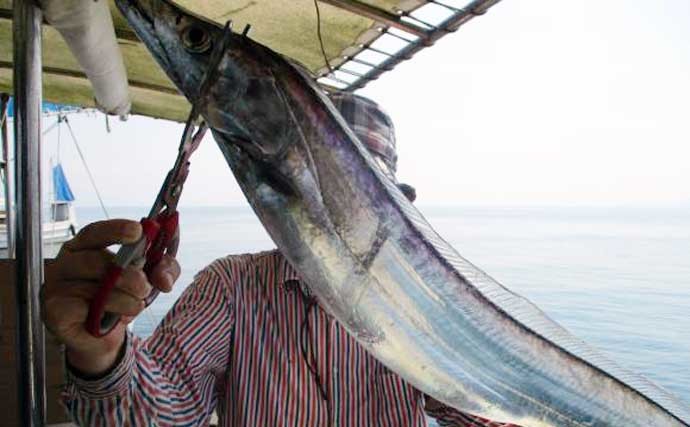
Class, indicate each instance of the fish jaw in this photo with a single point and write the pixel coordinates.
(161, 26)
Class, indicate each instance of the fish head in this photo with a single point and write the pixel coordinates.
(222, 73)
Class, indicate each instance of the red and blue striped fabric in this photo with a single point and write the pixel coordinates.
(231, 344)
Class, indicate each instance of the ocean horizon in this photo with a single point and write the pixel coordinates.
(616, 276)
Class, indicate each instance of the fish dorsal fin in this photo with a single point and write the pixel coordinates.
(523, 311)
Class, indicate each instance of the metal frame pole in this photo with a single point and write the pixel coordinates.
(379, 15)
(7, 177)
(29, 268)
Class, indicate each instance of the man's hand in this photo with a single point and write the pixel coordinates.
(75, 276)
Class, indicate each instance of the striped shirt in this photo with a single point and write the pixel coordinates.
(244, 340)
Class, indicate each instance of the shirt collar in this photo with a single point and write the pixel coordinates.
(286, 272)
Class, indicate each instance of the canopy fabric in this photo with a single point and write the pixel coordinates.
(47, 108)
(288, 27)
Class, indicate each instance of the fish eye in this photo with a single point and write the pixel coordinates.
(196, 39)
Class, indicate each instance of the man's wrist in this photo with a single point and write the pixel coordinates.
(93, 366)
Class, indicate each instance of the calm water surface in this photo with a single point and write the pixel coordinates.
(618, 278)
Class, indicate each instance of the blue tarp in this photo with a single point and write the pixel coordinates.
(60, 185)
(48, 107)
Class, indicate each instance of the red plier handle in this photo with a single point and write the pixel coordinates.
(160, 237)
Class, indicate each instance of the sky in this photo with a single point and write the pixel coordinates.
(540, 102)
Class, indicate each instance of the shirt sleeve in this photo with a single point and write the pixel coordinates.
(170, 378)
(449, 417)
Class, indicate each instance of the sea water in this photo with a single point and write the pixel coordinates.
(617, 277)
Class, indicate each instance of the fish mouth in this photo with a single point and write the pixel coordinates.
(143, 7)
(140, 16)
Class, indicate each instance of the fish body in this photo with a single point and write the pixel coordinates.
(370, 257)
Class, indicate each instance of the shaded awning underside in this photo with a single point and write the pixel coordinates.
(361, 39)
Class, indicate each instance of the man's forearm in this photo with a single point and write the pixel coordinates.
(158, 380)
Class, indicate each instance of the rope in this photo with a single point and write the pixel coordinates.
(51, 127)
(58, 141)
(86, 166)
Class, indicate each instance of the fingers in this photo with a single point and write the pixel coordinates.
(101, 234)
(124, 304)
(73, 302)
(84, 265)
(134, 283)
(165, 274)
(72, 312)
(92, 265)
(119, 301)
(76, 276)
(127, 298)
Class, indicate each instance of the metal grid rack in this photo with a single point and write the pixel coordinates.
(401, 36)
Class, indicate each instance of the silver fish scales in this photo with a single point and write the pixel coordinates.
(372, 259)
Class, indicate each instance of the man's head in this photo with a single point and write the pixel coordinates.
(375, 130)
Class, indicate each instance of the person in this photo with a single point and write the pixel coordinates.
(245, 339)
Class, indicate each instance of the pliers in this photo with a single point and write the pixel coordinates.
(160, 234)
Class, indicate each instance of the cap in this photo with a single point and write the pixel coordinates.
(371, 124)
(374, 128)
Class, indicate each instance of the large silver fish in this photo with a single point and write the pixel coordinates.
(371, 258)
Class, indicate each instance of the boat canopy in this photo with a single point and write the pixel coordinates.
(361, 39)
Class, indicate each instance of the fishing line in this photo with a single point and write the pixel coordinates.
(309, 302)
(310, 358)
(318, 33)
(86, 166)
